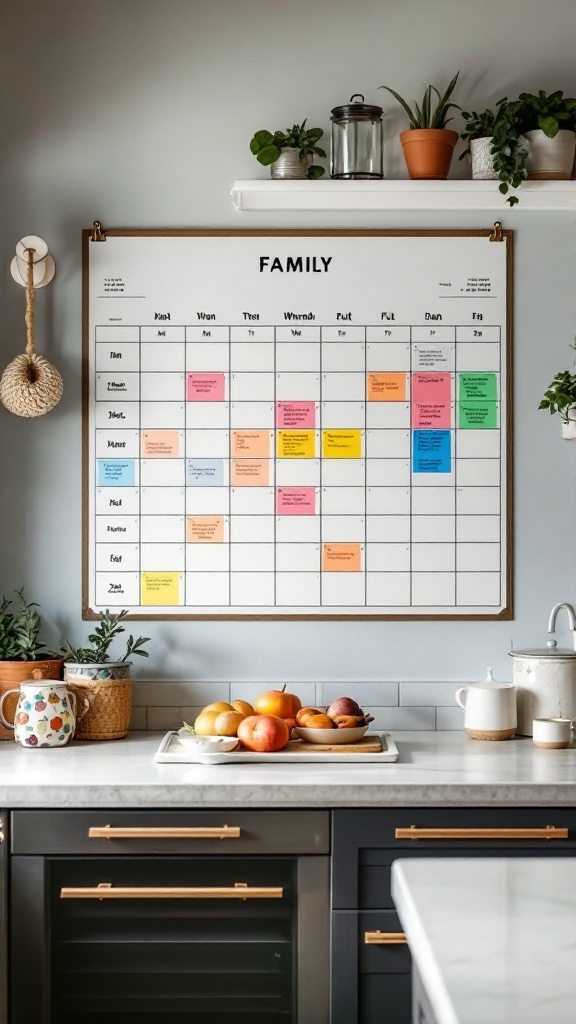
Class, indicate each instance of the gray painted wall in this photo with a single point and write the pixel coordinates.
(139, 113)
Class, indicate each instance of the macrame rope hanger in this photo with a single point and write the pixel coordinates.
(30, 385)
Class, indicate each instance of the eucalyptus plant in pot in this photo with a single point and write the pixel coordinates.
(289, 154)
(23, 655)
(428, 144)
(106, 684)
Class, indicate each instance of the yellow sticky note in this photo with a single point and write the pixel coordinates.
(386, 387)
(341, 558)
(296, 444)
(342, 444)
(160, 588)
(204, 529)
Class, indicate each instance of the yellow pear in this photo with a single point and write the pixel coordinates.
(227, 723)
(204, 724)
(219, 705)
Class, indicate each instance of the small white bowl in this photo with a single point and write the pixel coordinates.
(331, 735)
(208, 744)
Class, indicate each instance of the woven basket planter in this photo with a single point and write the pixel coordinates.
(108, 690)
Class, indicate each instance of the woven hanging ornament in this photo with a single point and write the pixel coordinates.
(30, 385)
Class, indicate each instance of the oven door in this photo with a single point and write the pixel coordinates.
(170, 940)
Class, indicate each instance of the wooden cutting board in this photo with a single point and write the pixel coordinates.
(367, 745)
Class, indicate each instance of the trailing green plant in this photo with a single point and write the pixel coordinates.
(481, 125)
(430, 113)
(20, 625)
(101, 640)
(267, 146)
(560, 394)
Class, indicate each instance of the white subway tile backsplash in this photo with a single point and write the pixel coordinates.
(138, 719)
(428, 694)
(379, 694)
(249, 691)
(449, 719)
(391, 719)
(164, 718)
(167, 693)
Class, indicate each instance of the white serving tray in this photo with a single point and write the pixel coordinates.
(171, 751)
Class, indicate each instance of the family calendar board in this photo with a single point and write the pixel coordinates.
(297, 424)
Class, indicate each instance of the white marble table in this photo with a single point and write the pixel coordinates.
(493, 940)
(436, 769)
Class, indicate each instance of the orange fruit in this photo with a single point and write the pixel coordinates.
(219, 705)
(227, 722)
(243, 707)
(204, 724)
(305, 713)
(319, 722)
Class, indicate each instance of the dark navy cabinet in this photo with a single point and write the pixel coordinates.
(371, 966)
(3, 917)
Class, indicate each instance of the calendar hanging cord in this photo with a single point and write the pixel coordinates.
(30, 386)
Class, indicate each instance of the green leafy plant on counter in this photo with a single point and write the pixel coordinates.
(101, 640)
(267, 146)
(20, 626)
(429, 114)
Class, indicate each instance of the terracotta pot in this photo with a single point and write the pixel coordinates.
(12, 673)
(428, 151)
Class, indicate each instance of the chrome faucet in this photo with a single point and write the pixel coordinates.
(571, 620)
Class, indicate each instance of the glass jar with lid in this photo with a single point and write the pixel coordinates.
(356, 143)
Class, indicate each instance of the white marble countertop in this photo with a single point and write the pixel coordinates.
(494, 940)
(435, 769)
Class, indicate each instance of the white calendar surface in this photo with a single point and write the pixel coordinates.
(283, 424)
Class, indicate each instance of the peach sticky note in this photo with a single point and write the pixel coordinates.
(205, 387)
(386, 387)
(296, 444)
(160, 588)
(255, 443)
(341, 444)
(295, 414)
(204, 529)
(341, 558)
(295, 501)
(160, 444)
(249, 472)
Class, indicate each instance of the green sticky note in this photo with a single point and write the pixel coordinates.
(476, 386)
(478, 415)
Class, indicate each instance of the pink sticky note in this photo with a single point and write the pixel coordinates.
(295, 501)
(431, 388)
(205, 387)
(431, 415)
(295, 414)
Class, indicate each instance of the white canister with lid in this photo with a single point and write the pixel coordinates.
(489, 709)
(545, 681)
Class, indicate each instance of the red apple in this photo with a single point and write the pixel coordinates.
(343, 706)
(263, 733)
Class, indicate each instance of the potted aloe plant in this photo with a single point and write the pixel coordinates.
(428, 144)
(23, 655)
(107, 685)
(289, 154)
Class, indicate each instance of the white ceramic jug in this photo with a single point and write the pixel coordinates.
(489, 709)
(46, 713)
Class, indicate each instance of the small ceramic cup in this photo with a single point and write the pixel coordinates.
(552, 733)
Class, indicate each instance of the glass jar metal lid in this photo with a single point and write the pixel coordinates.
(356, 109)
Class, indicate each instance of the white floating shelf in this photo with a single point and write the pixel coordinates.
(266, 194)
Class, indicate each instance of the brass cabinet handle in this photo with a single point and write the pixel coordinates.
(238, 891)
(550, 832)
(110, 832)
(385, 938)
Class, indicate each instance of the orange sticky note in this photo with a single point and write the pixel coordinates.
(386, 387)
(254, 443)
(160, 444)
(341, 558)
(205, 529)
(249, 472)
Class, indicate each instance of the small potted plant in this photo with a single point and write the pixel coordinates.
(560, 397)
(23, 656)
(548, 122)
(107, 685)
(496, 146)
(289, 154)
(428, 144)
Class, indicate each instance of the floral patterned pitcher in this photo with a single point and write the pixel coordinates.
(45, 715)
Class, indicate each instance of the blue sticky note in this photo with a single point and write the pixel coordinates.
(431, 451)
(116, 473)
(205, 472)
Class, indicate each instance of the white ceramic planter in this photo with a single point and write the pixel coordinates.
(482, 160)
(290, 165)
(551, 159)
(569, 425)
